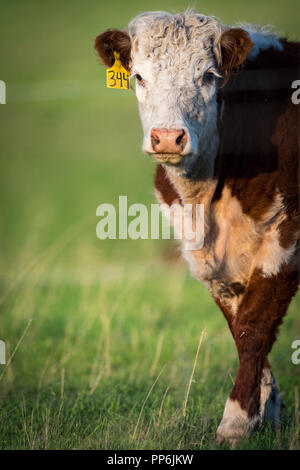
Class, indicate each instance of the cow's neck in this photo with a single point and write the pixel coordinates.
(192, 191)
(197, 184)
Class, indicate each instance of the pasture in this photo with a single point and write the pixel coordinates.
(110, 344)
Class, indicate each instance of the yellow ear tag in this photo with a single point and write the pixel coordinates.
(117, 76)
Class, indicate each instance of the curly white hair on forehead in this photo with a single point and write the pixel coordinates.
(157, 32)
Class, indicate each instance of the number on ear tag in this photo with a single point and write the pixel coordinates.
(117, 76)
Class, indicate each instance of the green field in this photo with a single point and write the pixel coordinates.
(101, 336)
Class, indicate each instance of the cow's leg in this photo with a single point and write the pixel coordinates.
(254, 329)
(271, 403)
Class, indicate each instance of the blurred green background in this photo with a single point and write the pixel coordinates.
(90, 324)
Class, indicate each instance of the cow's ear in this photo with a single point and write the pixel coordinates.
(113, 40)
(235, 47)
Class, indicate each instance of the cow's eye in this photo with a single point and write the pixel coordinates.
(140, 79)
(208, 78)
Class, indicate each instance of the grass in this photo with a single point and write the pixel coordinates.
(102, 336)
(109, 364)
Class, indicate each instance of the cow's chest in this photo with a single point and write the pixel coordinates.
(234, 245)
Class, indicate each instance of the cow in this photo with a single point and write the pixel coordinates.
(218, 118)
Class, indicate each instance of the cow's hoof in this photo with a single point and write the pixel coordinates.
(235, 424)
(232, 431)
(232, 441)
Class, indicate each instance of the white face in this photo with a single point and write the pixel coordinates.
(176, 84)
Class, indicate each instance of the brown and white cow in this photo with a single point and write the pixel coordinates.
(215, 104)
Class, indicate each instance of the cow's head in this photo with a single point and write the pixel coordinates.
(179, 62)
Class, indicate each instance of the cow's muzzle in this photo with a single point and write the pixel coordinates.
(168, 145)
(168, 140)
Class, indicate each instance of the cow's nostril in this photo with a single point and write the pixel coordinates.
(155, 140)
(180, 137)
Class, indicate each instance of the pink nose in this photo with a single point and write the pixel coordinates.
(168, 140)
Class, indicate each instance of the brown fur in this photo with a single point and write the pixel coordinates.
(112, 41)
(265, 154)
(164, 186)
(255, 330)
(235, 46)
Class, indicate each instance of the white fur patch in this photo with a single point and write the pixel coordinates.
(262, 39)
(275, 254)
(271, 256)
(235, 422)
